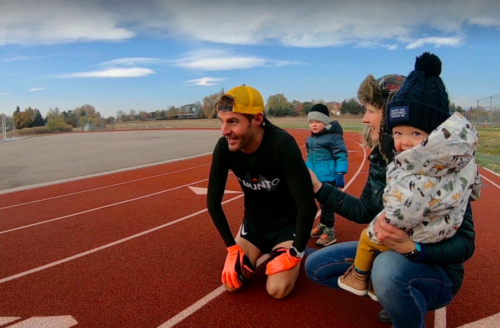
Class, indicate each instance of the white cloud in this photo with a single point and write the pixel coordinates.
(205, 81)
(438, 42)
(466, 101)
(485, 21)
(220, 60)
(36, 89)
(112, 73)
(132, 61)
(18, 58)
(4, 93)
(315, 23)
(59, 21)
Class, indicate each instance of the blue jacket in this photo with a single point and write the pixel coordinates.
(327, 153)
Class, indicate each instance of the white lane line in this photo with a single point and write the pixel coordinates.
(201, 303)
(64, 321)
(103, 187)
(440, 318)
(360, 167)
(100, 208)
(6, 320)
(492, 172)
(50, 183)
(193, 308)
(485, 178)
(74, 257)
(488, 322)
(217, 292)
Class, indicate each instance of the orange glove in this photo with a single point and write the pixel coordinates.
(282, 262)
(235, 260)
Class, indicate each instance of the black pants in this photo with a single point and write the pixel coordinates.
(327, 216)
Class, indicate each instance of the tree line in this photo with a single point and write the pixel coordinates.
(276, 106)
(56, 119)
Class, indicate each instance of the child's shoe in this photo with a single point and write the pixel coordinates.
(371, 291)
(354, 282)
(327, 238)
(317, 231)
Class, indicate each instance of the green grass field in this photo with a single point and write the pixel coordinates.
(488, 154)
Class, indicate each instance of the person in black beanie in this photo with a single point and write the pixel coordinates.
(432, 176)
(327, 158)
(408, 282)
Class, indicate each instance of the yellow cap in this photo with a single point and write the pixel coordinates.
(247, 100)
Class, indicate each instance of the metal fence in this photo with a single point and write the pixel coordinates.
(8, 128)
(487, 112)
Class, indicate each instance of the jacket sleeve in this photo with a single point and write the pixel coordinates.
(300, 184)
(216, 185)
(308, 152)
(339, 153)
(455, 250)
(359, 210)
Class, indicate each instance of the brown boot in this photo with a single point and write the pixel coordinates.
(354, 282)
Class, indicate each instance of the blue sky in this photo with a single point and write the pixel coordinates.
(152, 54)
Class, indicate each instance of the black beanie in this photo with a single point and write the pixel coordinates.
(422, 101)
(319, 112)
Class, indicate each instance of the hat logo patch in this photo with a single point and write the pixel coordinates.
(399, 113)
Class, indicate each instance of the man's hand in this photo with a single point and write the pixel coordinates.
(235, 260)
(339, 180)
(392, 237)
(316, 184)
(283, 262)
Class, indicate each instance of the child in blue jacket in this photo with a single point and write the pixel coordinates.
(327, 158)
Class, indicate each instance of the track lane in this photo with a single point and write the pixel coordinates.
(103, 282)
(235, 214)
(60, 207)
(34, 246)
(46, 243)
(65, 188)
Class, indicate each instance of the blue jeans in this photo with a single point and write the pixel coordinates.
(407, 290)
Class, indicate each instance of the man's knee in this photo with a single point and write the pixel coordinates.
(280, 289)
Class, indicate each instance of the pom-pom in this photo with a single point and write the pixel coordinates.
(428, 63)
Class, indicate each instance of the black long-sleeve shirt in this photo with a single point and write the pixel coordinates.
(275, 181)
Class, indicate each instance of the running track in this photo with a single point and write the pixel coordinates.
(138, 249)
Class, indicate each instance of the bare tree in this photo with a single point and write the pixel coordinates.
(209, 104)
(119, 115)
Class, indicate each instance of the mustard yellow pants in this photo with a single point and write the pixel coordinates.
(365, 255)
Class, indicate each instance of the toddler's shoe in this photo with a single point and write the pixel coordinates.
(354, 282)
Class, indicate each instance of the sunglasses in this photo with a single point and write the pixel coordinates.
(224, 108)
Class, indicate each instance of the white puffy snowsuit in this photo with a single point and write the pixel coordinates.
(428, 186)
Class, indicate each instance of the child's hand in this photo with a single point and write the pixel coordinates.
(393, 237)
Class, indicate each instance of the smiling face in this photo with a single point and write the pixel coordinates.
(406, 137)
(373, 118)
(240, 132)
(316, 126)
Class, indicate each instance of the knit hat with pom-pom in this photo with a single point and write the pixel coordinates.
(422, 101)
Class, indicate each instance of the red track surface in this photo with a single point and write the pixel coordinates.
(55, 257)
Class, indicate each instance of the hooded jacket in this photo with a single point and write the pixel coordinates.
(428, 186)
(449, 254)
(327, 152)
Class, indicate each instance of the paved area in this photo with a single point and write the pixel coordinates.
(37, 160)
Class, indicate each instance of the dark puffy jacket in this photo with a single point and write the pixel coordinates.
(327, 153)
(450, 254)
